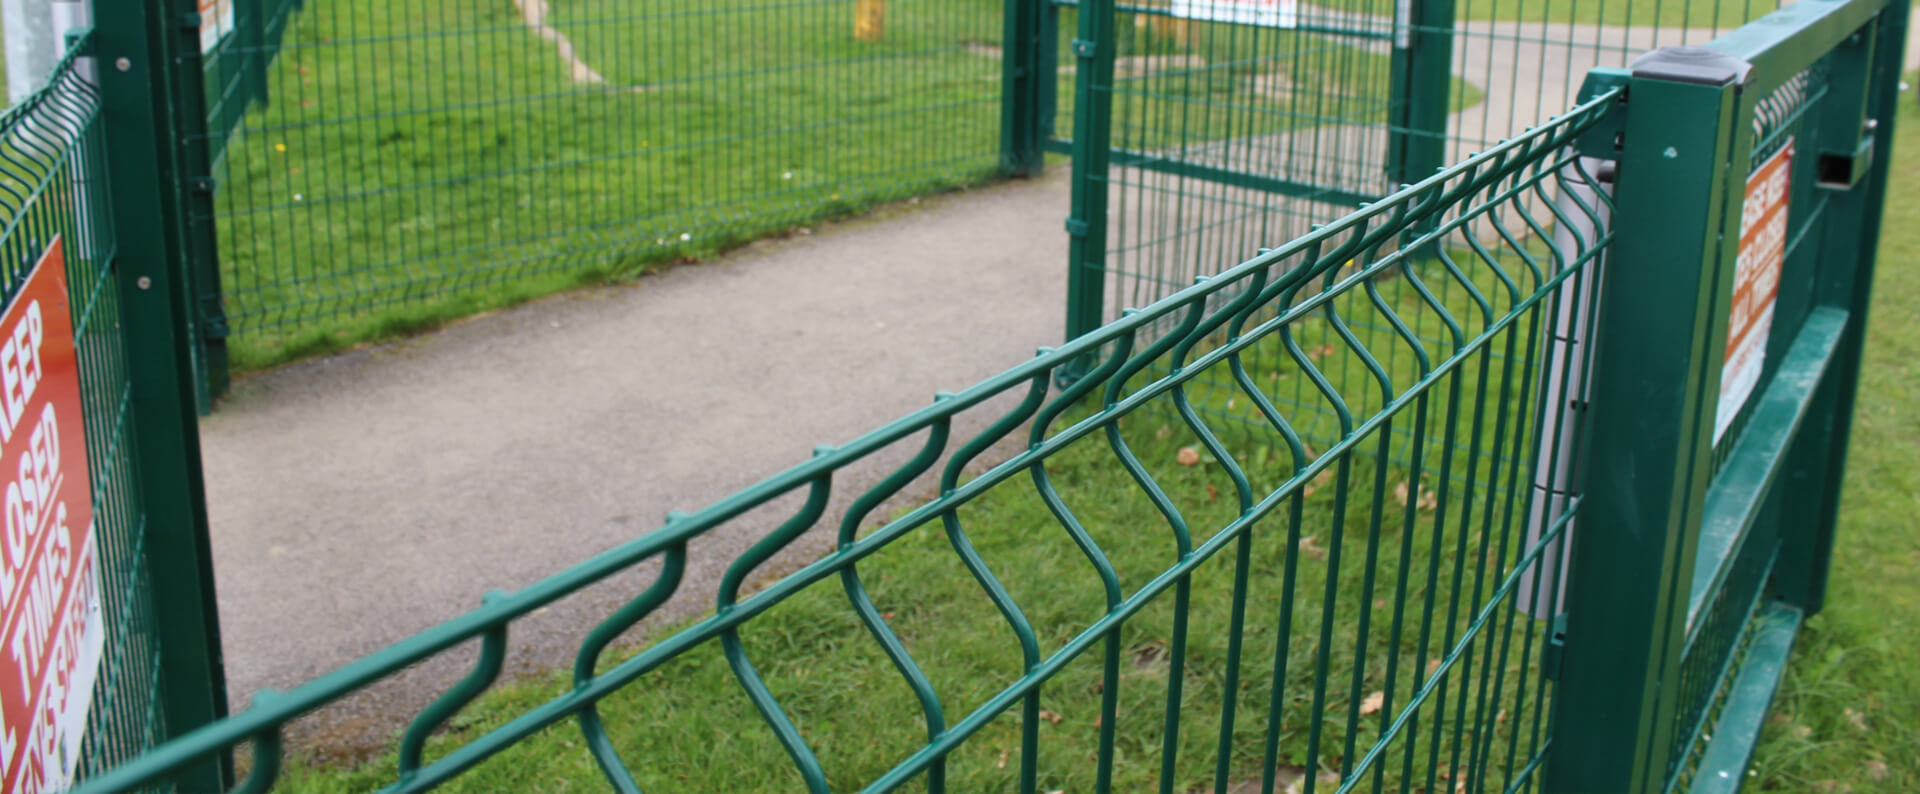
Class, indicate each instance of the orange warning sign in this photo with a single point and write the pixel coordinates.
(1756, 284)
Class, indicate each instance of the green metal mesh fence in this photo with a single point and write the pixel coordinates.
(427, 153)
(1229, 136)
(53, 183)
(1136, 597)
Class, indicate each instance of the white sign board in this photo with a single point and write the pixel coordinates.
(1265, 13)
(1756, 284)
(51, 634)
(216, 21)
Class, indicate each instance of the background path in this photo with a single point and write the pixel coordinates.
(361, 498)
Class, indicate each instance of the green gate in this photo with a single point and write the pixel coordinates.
(1200, 140)
(1481, 487)
(87, 199)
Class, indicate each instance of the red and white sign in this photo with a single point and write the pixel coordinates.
(216, 21)
(1266, 13)
(1756, 284)
(51, 634)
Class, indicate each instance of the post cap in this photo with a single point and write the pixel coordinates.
(1696, 65)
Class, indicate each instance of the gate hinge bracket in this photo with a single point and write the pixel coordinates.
(1085, 48)
(1076, 227)
(201, 184)
(1605, 139)
(213, 324)
(1556, 648)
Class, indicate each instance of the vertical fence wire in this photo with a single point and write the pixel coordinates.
(428, 156)
(53, 182)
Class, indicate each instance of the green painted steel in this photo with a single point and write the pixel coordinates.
(1429, 497)
(85, 159)
(149, 260)
(421, 158)
(1231, 136)
(1358, 633)
(1691, 535)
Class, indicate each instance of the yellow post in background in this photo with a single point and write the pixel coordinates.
(870, 20)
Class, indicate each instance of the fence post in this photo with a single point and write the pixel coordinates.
(1862, 104)
(1094, 49)
(136, 107)
(1024, 75)
(1422, 67)
(1650, 430)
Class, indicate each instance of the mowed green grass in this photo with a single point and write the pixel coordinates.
(1847, 719)
(424, 160)
(1359, 547)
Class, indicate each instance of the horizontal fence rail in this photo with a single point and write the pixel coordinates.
(1226, 134)
(1212, 603)
(425, 158)
(55, 196)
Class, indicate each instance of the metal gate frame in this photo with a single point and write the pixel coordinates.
(1720, 550)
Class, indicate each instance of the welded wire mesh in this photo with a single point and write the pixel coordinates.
(434, 155)
(1229, 136)
(53, 185)
(1135, 597)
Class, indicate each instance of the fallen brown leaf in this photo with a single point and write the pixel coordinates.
(1372, 703)
(1213, 494)
(1858, 719)
(1002, 763)
(1051, 717)
(1877, 769)
(1187, 456)
(1307, 548)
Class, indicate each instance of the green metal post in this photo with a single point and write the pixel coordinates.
(1022, 137)
(1862, 101)
(135, 43)
(192, 137)
(1421, 90)
(1092, 155)
(1657, 346)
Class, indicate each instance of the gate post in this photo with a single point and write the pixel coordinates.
(1422, 89)
(1650, 429)
(1092, 155)
(136, 43)
(1863, 100)
(1025, 75)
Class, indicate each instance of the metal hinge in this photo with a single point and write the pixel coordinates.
(1085, 48)
(1556, 648)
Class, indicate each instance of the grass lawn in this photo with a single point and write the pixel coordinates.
(424, 160)
(1845, 719)
(1848, 716)
(1436, 542)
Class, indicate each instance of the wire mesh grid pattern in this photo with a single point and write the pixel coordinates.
(416, 152)
(1231, 135)
(53, 185)
(1250, 611)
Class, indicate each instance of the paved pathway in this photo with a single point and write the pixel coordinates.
(358, 499)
